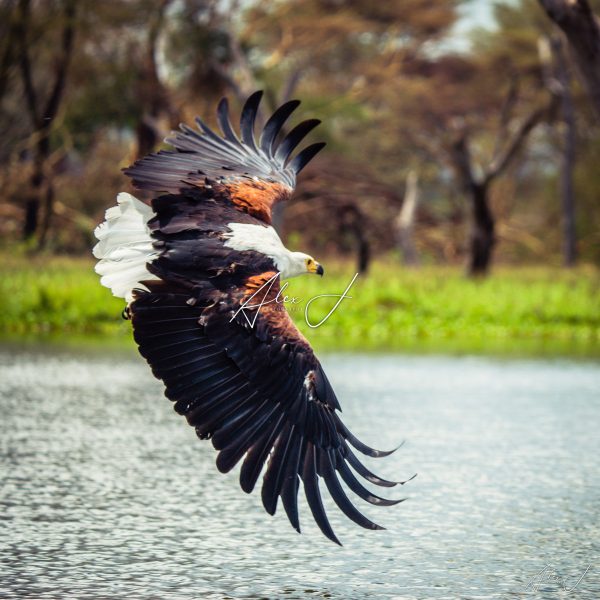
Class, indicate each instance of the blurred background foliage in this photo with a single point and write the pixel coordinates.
(459, 132)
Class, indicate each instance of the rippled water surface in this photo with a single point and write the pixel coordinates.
(107, 493)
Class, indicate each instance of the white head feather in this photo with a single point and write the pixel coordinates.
(245, 236)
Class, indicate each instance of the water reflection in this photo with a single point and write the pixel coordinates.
(107, 493)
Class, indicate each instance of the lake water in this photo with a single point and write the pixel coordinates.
(107, 493)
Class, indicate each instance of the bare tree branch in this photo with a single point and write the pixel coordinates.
(558, 81)
(9, 54)
(582, 28)
(24, 61)
(506, 113)
(460, 157)
(499, 164)
(404, 223)
(68, 36)
(291, 84)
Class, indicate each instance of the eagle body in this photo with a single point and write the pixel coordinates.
(199, 267)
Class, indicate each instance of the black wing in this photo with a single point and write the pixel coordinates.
(258, 393)
(201, 153)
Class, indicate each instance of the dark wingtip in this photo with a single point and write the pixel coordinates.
(248, 117)
(305, 156)
(367, 450)
(361, 491)
(274, 124)
(269, 505)
(224, 122)
(360, 446)
(246, 486)
(313, 495)
(366, 473)
(339, 496)
(381, 453)
(293, 138)
(406, 480)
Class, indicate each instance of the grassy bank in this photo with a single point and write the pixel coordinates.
(523, 311)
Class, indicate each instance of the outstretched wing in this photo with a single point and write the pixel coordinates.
(248, 380)
(254, 175)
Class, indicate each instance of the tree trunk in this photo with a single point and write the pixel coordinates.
(43, 114)
(568, 159)
(353, 221)
(477, 187)
(582, 28)
(153, 96)
(483, 236)
(147, 137)
(405, 222)
(558, 81)
(9, 54)
(567, 187)
(44, 186)
(47, 215)
(33, 204)
(32, 211)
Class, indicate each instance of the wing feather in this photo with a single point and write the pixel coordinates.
(291, 481)
(293, 138)
(359, 489)
(257, 455)
(225, 123)
(337, 493)
(313, 495)
(260, 395)
(256, 390)
(254, 177)
(353, 461)
(245, 438)
(248, 118)
(274, 476)
(305, 156)
(274, 125)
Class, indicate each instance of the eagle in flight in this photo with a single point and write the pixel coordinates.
(194, 264)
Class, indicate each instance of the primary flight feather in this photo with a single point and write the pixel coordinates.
(199, 268)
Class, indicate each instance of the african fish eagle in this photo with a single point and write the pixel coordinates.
(186, 262)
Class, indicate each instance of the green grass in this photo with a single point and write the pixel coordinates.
(47, 295)
(515, 311)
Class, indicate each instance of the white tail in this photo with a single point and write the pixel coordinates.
(125, 246)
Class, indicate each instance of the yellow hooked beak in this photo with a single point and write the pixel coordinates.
(315, 267)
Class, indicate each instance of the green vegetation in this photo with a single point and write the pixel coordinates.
(50, 295)
(518, 311)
